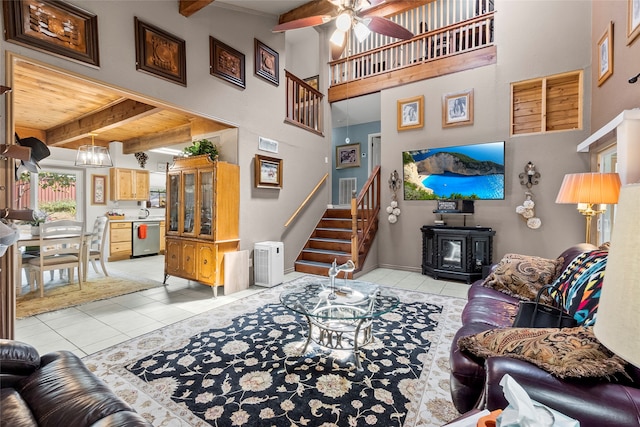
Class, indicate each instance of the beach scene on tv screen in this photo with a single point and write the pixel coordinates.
(473, 171)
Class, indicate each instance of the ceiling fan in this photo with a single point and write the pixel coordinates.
(350, 14)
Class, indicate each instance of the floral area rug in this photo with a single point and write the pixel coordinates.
(240, 365)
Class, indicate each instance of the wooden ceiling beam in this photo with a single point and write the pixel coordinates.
(313, 8)
(189, 7)
(115, 115)
(178, 135)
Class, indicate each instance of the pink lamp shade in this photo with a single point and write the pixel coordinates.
(590, 188)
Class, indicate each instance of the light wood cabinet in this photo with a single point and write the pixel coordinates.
(202, 223)
(120, 240)
(162, 234)
(128, 184)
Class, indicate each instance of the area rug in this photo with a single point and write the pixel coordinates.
(240, 365)
(69, 295)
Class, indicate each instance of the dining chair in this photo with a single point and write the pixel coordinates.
(61, 247)
(97, 245)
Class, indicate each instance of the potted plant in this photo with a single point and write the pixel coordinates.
(200, 147)
(39, 217)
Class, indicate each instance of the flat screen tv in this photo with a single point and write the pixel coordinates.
(473, 172)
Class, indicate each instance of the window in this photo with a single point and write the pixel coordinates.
(56, 193)
(547, 104)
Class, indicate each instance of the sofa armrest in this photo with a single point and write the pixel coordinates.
(17, 360)
(592, 402)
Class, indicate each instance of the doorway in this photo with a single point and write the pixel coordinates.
(375, 149)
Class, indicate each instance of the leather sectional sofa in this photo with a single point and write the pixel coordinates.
(56, 390)
(475, 381)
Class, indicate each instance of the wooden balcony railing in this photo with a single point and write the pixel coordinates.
(461, 37)
(364, 217)
(304, 104)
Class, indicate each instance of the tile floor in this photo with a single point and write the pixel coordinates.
(91, 327)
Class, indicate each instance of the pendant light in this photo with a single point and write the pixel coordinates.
(93, 156)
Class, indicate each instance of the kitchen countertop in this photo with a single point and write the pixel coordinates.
(134, 219)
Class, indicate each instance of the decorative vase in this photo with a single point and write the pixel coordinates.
(35, 230)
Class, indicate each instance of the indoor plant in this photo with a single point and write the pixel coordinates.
(202, 146)
(39, 217)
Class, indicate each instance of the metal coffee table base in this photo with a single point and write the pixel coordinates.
(339, 334)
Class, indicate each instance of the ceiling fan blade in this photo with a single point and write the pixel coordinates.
(388, 28)
(376, 2)
(336, 51)
(309, 21)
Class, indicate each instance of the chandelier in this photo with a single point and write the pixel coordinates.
(93, 156)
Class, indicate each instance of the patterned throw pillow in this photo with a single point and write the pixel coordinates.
(565, 353)
(522, 276)
(581, 285)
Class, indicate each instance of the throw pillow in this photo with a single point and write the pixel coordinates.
(522, 276)
(581, 285)
(565, 353)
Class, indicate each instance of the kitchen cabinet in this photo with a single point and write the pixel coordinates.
(129, 184)
(120, 246)
(202, 218)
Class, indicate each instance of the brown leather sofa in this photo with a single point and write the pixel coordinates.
(475, 381)
(56, 390)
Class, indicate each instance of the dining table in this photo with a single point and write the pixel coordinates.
(31, 240)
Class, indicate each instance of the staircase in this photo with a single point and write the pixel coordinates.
(331, 240)
(342, 235)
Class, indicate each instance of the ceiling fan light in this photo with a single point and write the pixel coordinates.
(337, 38)
(343, 21)
(361, 31)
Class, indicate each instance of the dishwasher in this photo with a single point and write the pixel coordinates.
(146, 238)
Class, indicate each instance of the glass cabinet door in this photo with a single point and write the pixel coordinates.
(206, 203)
(189, 197)
(173, 202)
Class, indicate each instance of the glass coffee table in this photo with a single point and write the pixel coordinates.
(339, 318)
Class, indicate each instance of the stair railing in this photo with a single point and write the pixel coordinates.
(364, 214)
(304, 104)
(303, 204)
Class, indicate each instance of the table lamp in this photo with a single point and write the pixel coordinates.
(617, 322)
(587, 189)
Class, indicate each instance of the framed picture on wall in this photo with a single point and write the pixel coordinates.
(348, 156)
(159, 53)
(98, 189)
(457, 109)
(268, 172)
(605, 55)
(411, 113)
(633, 20)
(55, 27)
(266, 63)
(226, 62)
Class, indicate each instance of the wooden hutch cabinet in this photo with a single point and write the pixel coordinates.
(202, 216)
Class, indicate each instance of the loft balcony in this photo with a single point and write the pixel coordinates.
(457, 47)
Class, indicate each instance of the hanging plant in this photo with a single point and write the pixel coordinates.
(200, 147)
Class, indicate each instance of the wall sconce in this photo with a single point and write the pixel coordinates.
(634, 79)
(530, 176)
(394, 182)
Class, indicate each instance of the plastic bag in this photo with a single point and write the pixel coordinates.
(525, 412)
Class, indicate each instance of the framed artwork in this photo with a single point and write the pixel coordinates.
(411, 113)
(633, 20)
(160, 53)
(348, 156)
(605, 55)
(314, 82)
(457, 109)
(226, 63)
(268, 172)
(266, 62)
(54, 27)
(98, 189)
